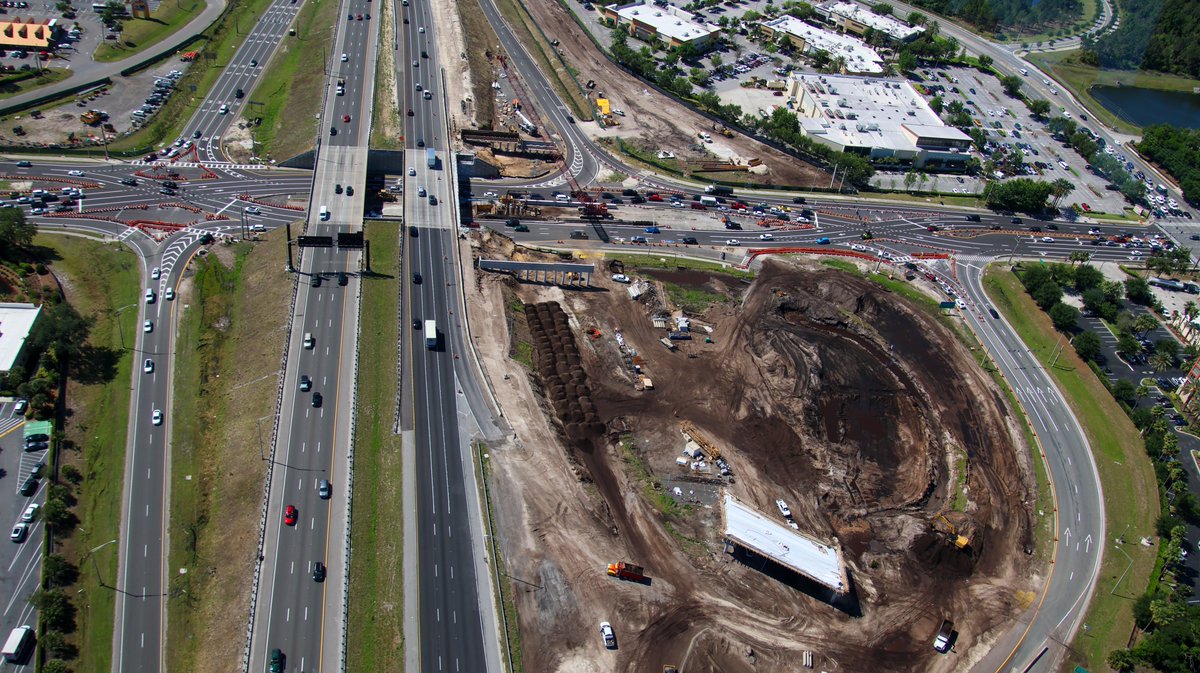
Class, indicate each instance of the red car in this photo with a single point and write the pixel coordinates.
(346, 118)
(654, 197)
(289, 515)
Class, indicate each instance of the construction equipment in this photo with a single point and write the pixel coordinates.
(952, 536)
(693, 433)
(627, 571)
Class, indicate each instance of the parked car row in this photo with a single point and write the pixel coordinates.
(163, 88)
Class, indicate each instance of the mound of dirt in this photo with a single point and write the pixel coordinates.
(861, 411)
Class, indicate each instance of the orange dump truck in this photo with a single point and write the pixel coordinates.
(627, 571)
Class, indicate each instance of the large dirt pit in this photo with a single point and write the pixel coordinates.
(860, 410)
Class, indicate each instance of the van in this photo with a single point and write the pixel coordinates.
(308, 341)
(1024, 72)
(324, 213)
(19, 645)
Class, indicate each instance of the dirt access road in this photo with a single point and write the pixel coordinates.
(655, 120)
(821, 388)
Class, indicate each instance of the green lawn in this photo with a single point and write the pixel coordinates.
(140, 34)
(376, 601)
(20, 83)
(1127, 477)
(216, 45)
(291, 89)
(103, 279)
(387, 130)
(1068, 71)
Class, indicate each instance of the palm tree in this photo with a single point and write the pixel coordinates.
(1060, 188)
(1161, 362)
(1143, 324)
(1142, 390)
(1079, 256)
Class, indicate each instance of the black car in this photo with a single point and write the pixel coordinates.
(305, 383)
(799, 199)
(349, 190)
(316, 400)
(37, 437)
(167, 191)
(637, 199)
(412, 231)
(319, 572)
(129, 181)
(689, 240)
(417, 278)
(416, 323)
(170, 184)
(420, 142)
(1035, 229)
(343, 279)
(316, 280)
(29, 486)
(1016, 220)
(37, 446)
(995, 315)
(1052, 227)
(332, 131)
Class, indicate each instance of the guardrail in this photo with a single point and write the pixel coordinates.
(350, 484)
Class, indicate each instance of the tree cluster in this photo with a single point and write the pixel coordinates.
(783, 126)
(994, 15)
(1023, 195)
(1178, 151)
(1157, 35)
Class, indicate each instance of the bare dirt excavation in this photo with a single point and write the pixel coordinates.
(821, 388)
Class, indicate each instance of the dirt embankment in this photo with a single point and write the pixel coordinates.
(858, 409)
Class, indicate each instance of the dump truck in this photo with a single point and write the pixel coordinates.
(627, 571)
(942, 642)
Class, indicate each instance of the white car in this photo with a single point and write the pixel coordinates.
(19, 532)
(149, 295)
(412, 171)
(1046, 82)
(253, 210)
(676, 204)
(156, 417)
(766, 237)
(606, 633)
(620, 278)
(148, 366)
(489, 195)
(421, 29)
(224, 109)
(155, 273)
(783, 509)
(169, 294)
(30, 512)
(345, 58)
(1094, 231)
(148, 326)
(1047, 239)
(732, 241)
(78, 174)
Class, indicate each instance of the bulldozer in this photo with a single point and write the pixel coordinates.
(951, 532)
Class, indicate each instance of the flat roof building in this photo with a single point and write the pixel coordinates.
(855, 18)
(858, 56)
(672, 25)
(751, 530)
(876, 118)
(28, 34)
(16, 323)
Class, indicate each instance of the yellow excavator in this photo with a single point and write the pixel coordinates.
(952, 536)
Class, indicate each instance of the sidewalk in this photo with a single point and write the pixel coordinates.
(99, 72)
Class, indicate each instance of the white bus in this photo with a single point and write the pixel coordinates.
(19, 645)
(431, 335)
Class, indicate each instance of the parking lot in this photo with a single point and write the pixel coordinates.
(20, 562)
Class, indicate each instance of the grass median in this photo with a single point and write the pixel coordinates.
(1126, 474)
(233, 307)
(387, 128)
(216, 47)
(102, 281)
(376, 600)
(22, 82)
(137, 35)
(290, 91)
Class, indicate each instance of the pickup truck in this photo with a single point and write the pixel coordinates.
(942, 642)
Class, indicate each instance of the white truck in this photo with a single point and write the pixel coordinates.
(431, 336)
(19, 645)
(942, 642)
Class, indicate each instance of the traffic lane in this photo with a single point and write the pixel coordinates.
(20, 561)
(296, 622)
(1080, 511)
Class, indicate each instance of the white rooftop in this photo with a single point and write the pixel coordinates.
(859, 56)
(890, 25)
(869, 112)
(669, 21)
(16, 320)
(775, 540)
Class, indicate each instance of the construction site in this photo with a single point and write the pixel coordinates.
(803, 471)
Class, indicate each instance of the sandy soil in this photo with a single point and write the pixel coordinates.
(125, 95)
(659, 120)
(821, 389)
